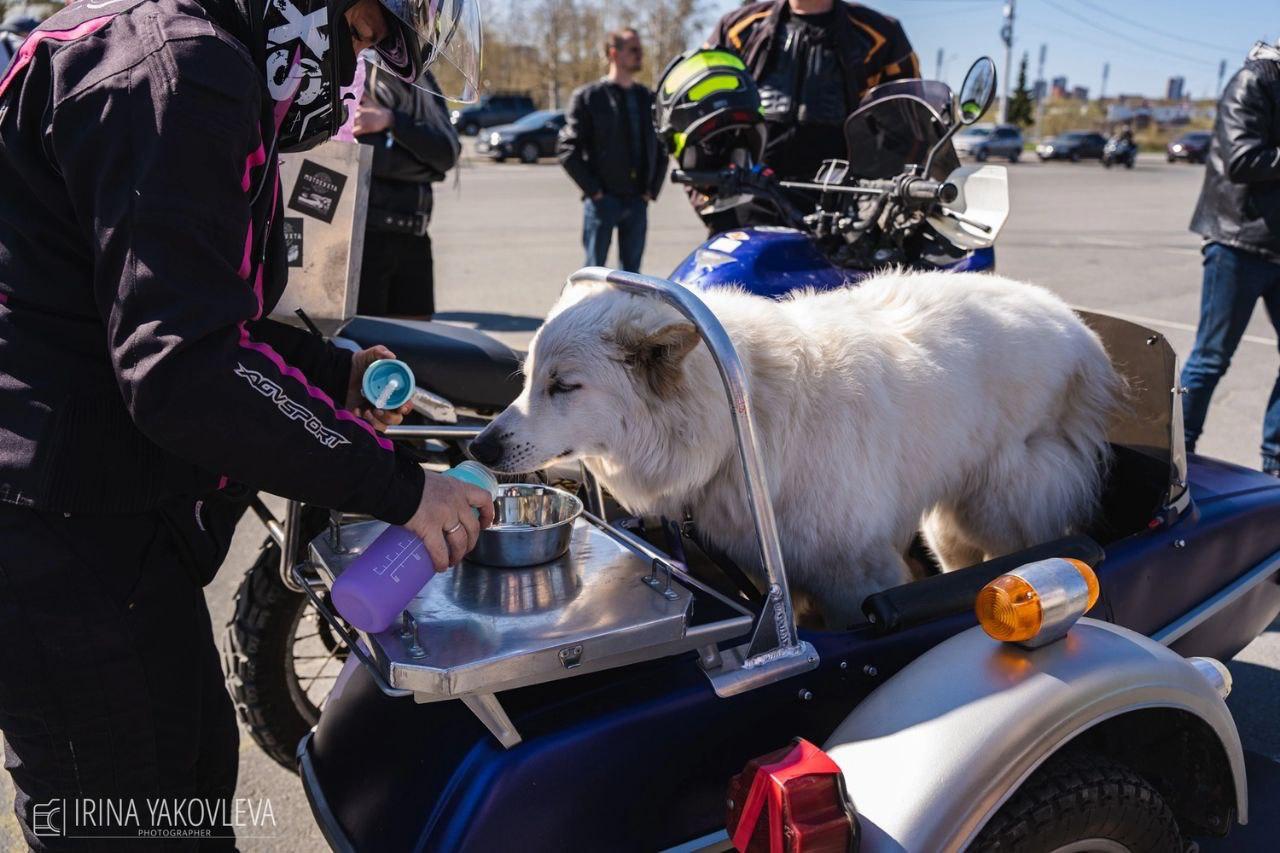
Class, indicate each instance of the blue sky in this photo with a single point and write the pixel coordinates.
(1189, 38)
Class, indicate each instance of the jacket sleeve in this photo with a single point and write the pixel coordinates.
(575, 136)
(901, 62)
(1247, 122)
(421, 126)
(163, 187)
(328, 366)
(660, 159)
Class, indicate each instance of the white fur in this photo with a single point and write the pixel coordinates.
(967, 405)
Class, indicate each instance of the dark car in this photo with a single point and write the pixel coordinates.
(529, 138)
(1073, 145)
(1192, 146)
(489, 111)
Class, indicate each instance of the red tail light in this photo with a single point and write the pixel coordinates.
(791, 801)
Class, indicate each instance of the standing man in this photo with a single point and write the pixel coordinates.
(813, 61)
(1238, 215)
(609, 148)
(414, 145)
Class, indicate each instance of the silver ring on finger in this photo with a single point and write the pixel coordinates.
(454, 529)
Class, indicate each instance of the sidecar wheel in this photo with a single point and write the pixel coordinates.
(278, 694)
(1083, 801)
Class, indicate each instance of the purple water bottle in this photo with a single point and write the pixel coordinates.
(374, 589)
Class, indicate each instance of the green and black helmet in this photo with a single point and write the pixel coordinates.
(707, 111)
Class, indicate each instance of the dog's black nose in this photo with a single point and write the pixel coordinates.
(486, 448)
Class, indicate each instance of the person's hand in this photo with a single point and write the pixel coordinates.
(445, 522)
(597, 196)
(358, 405)
(371, 118)
(647, 198)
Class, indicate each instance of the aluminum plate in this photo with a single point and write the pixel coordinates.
(483, 630)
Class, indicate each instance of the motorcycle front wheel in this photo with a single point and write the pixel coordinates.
(280, 657)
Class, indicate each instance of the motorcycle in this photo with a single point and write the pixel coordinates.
(1119, 151)
(609, 697)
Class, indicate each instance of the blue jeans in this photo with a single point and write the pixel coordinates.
(1234, 281)
(629, 215)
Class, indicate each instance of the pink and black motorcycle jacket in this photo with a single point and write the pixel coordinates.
(140, 251)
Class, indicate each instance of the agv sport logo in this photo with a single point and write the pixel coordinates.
(290, 408)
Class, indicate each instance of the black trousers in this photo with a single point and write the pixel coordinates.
(111, 690)
(396, 275)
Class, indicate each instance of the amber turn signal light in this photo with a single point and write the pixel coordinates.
(1038, 602)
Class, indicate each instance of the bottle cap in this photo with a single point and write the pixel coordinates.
(387, 383)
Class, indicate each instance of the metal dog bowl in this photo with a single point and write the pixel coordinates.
(532, 524)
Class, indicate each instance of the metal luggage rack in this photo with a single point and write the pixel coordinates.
(612, 600)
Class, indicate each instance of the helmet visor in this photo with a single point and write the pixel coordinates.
(442, 35)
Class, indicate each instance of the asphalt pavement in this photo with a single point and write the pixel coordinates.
(506, 235)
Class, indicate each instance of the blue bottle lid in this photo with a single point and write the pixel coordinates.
(387, 383)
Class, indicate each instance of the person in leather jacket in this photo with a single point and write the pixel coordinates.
(144, 390)
(414, 145)
(813, 60)
(1238, 215)
(609, 148)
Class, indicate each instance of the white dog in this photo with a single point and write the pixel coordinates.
(967, 405)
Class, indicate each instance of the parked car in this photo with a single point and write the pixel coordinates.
(1192, 146)
(983, 141)
(1073, 145)
(489, 111)
(529, 138)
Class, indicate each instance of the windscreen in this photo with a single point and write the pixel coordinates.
(896, 126)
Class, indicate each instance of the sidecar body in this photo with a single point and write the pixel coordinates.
(603, 702)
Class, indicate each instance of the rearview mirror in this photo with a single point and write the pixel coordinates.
(978, 90)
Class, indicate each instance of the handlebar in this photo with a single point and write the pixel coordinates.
(921, 189)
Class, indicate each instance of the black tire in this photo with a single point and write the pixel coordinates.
(1075, 156)
(1106, 164)
(1013, 158)
(470, 129)
(1079, 796)
(257, 654)
(980, 155)
(1170, 157)
(529, 153)
(1129, 163)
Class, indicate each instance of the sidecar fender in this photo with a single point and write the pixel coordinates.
(931, 755)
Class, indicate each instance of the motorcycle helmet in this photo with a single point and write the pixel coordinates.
(707, 111)
(310, 58)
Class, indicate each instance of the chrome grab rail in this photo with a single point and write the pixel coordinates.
(774, 642)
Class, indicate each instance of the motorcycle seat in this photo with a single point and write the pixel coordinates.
(466, 367)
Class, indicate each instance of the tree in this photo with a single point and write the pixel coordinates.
(1021, 111)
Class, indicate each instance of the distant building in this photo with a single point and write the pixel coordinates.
(1058, 87)
(1174, 88)
(1039, 89)
(1080, 93)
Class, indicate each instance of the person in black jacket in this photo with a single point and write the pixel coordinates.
(143, 387)
(610, 150)
(813, 61)
(414, 146)
(1238, 215)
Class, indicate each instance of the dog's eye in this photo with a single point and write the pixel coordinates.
(559, 386)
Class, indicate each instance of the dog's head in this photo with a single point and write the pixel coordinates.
(608, 378)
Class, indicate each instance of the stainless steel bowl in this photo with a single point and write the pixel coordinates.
(532, 524)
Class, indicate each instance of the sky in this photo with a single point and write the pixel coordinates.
(1145, 41)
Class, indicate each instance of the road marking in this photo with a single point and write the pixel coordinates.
(1172, 324)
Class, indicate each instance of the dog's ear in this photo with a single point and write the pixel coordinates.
(655, 358)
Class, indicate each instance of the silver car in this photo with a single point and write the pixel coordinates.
(989, 140)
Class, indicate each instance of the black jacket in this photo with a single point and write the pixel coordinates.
(809, 83)
(594, 142)
(140, 249)
(1240, 200)
(413, 153)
